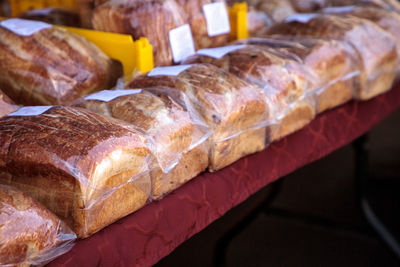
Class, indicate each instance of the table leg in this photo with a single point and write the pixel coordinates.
(361, 168)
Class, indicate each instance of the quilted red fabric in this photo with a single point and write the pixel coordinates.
(146, 236)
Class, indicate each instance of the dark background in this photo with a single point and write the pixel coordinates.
(321, 224)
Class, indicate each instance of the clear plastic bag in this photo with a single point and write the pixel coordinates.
(333, 63)
(6, 105)
(234, 109)
(179, 136)
(377, 59)
(88, 169)
(283, 78)
(30, 234)
(52, 67)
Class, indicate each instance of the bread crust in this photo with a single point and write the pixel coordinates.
(30, 234)
(52, 67)
(88, 169)
(227, 104)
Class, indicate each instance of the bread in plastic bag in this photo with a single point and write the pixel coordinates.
(52, 66)
(377, 58)
(195, 16)
(153, 19)
(284, 80)
(179, 135)
(257, 21)
(6, 105)
(234, 109)
(332, 61)
(90, 170)
(386, 19)
(29, 233)
(276, 10)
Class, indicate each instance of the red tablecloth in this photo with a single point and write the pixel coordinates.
(146, 236)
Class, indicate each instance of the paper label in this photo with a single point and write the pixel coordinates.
(168, 71)
(30, 111)
(216, 18)
(302, 18)
(108, 95)
(338, 10)
(181, 41)
(219, 52)
(24, 27)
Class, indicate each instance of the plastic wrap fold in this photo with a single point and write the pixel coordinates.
(6, 105)
(375, 47)
(287, 84)
(88, 169)
(52, 67)
(234, 109)
(30, 234)
(179, 136)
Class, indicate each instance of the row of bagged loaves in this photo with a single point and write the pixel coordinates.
(92, 156)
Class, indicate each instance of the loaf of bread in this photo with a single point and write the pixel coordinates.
(88, 169)
(377, 59)
(193, 10)
(230, 106)
(179, 137)
(333, 62)
(6, 105)
(284, 81)
(152, 19)
(52, 66)
(386, 19)
(30, 234)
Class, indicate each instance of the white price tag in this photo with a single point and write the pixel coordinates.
(168, 71)
(219, 52)
(338, 10)
(24, 27)
(108, 95)
(217, 18)
(302, 18)
(181, 41)
(30, 111)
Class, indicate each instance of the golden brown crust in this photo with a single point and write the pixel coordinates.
(6, 105)
(29, 232)
(376, 58)
(152, 19)
(76, 163)
(52, 67)
(228, 104)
